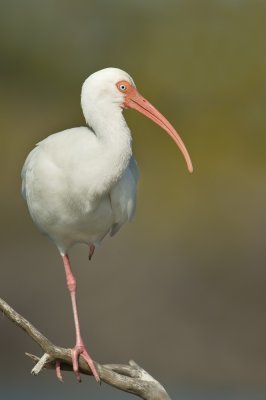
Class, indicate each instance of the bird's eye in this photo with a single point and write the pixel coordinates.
(123, 86)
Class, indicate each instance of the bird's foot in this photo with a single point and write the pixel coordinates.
(78, 350)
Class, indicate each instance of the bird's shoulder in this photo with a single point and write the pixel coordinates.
(57, 150)
(60, 145)
(67, 139)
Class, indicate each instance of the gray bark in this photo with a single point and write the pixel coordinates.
(129, 378)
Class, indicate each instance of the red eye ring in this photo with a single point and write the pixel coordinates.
(123, 86)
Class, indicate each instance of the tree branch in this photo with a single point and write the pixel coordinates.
(129, 378)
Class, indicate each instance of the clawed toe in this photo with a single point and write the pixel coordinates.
(76, 352)
(58, 371)
(81, 350)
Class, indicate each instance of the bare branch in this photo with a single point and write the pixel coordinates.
(129, 378)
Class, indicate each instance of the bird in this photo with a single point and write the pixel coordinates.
(80, 184)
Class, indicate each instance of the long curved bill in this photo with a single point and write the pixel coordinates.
(137, 102)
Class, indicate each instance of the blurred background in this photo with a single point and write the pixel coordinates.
(181, 289)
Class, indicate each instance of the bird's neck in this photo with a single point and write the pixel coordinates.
(114, 144)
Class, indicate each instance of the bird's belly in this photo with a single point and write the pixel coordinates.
(67, 223)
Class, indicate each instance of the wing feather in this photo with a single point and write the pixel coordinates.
(123, 197)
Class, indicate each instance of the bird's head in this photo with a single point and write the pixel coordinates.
(110, 89)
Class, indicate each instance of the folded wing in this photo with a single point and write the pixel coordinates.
(123, 197)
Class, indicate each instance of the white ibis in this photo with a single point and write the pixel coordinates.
(80, 184)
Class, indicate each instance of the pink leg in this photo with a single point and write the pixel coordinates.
(79, 348)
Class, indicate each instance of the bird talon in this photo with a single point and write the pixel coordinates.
(90, 363)
(75, 356)
(76, 352)
(78, 376)
(58, 371)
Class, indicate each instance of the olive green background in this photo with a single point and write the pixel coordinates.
(182, 289)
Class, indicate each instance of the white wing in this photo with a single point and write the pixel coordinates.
(123, 197)
(55, 182)
(26, 168)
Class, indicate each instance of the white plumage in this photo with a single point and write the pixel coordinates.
(80, 184)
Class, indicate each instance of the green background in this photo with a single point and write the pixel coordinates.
(182, 289)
